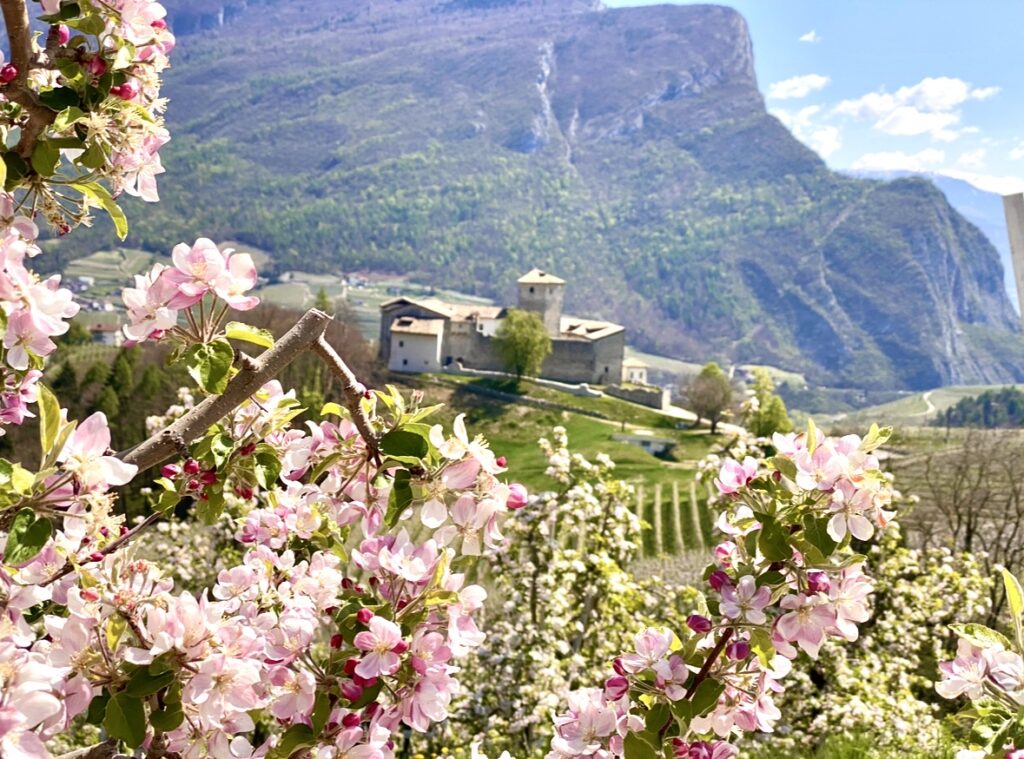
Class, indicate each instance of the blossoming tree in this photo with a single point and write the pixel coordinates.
(340, 624)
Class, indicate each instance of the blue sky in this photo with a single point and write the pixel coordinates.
(925, 85)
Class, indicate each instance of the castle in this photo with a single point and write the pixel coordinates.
(427, 334)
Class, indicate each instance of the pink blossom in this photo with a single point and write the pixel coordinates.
(745, 601)
(379, 642)
(966, 674)
(807, 621)
(237, 278)
(848, 506)
(85, 456)
(23, 340)
(735, 476)
(651, 646)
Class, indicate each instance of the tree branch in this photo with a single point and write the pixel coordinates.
(19, 36)
(105, 750)
(354, 391)
(706, 667)
(162, 446)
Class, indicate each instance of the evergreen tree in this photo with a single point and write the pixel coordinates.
(323, 302)
(122, 377)
(151, 384)
(97, 374)
(65, 382)
(108, 403)
(523, 343)
(76, 335)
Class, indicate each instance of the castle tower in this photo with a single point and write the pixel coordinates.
(1013, 208)
(542, 293)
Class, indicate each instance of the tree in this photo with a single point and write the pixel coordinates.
(324, 302)
(523, 343)
(76, 335)
(122, 378)
(709, 395)
(767, 411)
(108, 403)
(65, 382)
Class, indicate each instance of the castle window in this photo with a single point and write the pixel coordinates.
(405, 362)
(531, 288)
(401, 343)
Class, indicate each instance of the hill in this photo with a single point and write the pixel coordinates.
(629, 150)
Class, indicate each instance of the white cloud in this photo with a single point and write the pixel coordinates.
(928, 107)
(1017, 153)
(811, 36)
(972, 159)
(987, 182)
(824, 140)
(797, 86)
(897, 160)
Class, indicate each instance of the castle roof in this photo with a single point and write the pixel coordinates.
(412, 326)
(587, 329)
(449, 310)
(635, 363)
(539, 277)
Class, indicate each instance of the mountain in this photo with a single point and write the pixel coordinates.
(627, 150)
(982, 208)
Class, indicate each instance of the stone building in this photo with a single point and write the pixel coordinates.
(426, 334)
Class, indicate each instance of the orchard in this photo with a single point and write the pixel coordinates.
(349, 622)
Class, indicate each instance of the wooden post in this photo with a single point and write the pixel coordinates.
(640, 516)
(659, 543)
(695, 515)
(677, 519)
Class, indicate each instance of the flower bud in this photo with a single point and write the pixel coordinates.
(738, 650)
(336, 641)
(170, 471)
(194, 484)
(96, 66)
(346, 583)
(718, 580)
(400, 647)
(700, 625)
(818, 582)
(351, 691)
(63, 34)
(350, 666)
(8, 73)
(208, 477)
(501, 461)
(193, 467)
(96, 556)
(352, 719)
(244, 492)
(617, 666)
(159, 24)
(247, 450)
(364, 616)
(616, 687)
(365, 682)
(680, 748)
(516, 496)
(126, 91)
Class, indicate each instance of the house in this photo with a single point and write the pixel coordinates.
(106, 334)
(634, 371)
(427, 334)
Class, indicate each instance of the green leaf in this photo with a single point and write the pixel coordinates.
(785, 466)
(209, 364)
(167, 719)
(404, 442)
(637, 748)
(143, 684)
(812, 436)
(16, 169)
(981, 636)
(657, 718)
(97, 708)
(67, 118)
(816, 533)
(49, 419)
(3, 173)
(321, 711)
(773, 540)
(45, 157)
(705, 697)
(60, 98)
(761, 644)
(99, 194)
(126, 719)
(400, 497)
(254, 335)
(876, 436)
(210, 508)
(332, 408)
(268, 467)
(26, 538)
(294, 738)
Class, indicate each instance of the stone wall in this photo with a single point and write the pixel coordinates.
(654, 397)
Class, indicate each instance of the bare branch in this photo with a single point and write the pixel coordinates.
(300, 338)
(353, 389)
(19, 36)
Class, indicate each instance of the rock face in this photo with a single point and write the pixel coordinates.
(627, 150)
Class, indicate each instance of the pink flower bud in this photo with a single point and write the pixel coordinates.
(350, 666)
(193, 467)
(346, 583)
(88, 594)
(364, 616)
(352, 719)
(159, 24)
(700, 625)
(718, 580)
(247, 450)
(126, 91)
(351, 691)
(616, 687)
(516, 496)
(96, 66)
(194, 484)
(63, 34)
(97, 556)
(105, 532)
(501, 461)
(8, 73)
(617, 666)
(365, 682)
(244, 492)
(680, 748)
(818, 582)
(336, 641)
(208, 477)
(170, 471)
(738, 650)
(401, 647)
